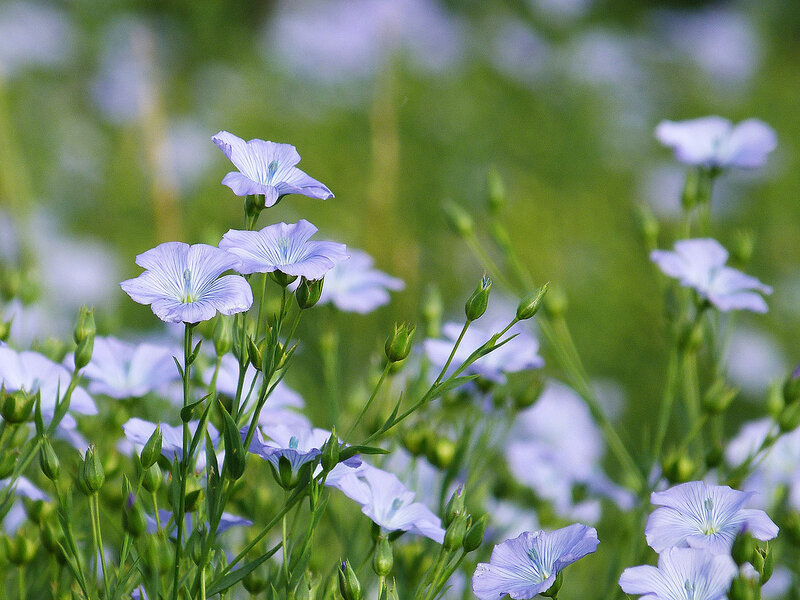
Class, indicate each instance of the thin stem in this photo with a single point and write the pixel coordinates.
(366, 406)
(155, 511)
(453, 351)
(21, 583)
(94, 505)
(284, 542)
(261, 303)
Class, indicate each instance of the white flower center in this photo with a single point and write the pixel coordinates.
(540, 570)
(188, 292)
(709, 526)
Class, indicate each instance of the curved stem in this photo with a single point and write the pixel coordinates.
(366, 406)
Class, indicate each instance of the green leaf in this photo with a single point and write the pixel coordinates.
(37, 415)
(451, 384)
(351, 451)
(186, 411)
(231, 579)
(195, 352)
(180, 368)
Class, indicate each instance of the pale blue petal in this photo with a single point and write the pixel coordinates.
(695, 141)
(749, 144)
(758, 524)
(242, 185)
(643, 580)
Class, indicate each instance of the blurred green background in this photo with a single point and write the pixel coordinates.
(107, 111)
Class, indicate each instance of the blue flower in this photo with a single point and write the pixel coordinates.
(32, 372)
(698, 515)
(385, 500)
(528, 564)
(713, 142)
(139, 431)
(122, 370)
(682, 574)
(226, 521)
(700, 264)
(283, 247)
(182, 283)
(355, 286)
(520, 354)
(266, 168)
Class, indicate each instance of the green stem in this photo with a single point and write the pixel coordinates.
(453, 351)
(155, 511)
(94, 504)
(261, 303)
(667, 401)
(285, 546)
(368, 403)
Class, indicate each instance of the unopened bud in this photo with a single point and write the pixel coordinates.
(16, 406)
(441, 452)
(48, 460)
(742, 588)
(454, 535)
(255, 353)
(497, 192)
(281, 278)
(21, 550)
(474, 537)
(648, 226)
(458, 219)
(38, 510)
(8, 459)
(152, 448)
(308, 292)
(531, 303)
(330, 452)
(255, 581)
(455, 506)
(476, 304)
(349, 586)
(90, 473)
(51, 537)
(223, 335)
(193, 500)
(85, 327)
(677, 467)
(718, 397)
(5, 330)
(398, 344)
(83, 353)
(555, 302)
(253, 205)
(383, 560)
(432, 309)
(743, 547)
(152, 478)
(744, 242)
(789, 418)
(133, 520)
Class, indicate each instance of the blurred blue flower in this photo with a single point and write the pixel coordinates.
(528, 564)
(139, 431)
(682, 574)
(715, 143)
(385, 500)
(266, 168)
(226, 521)
(698, 515)
(355, 286)
(123, 370)
(25, 489)
(33, 34)
(283, 247)
(32, 372)
(182, 283)
(700, 264)
(520, 354)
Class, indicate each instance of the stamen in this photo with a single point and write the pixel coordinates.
(293, 443)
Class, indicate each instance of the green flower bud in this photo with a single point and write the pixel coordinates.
(454, 535)
(223, 335)
(691, 336)
(8, 459)
(744, 242)
(235, 457)
(38, 510)
(789, 418)
(742, 588)
(441, 452)
(281, 278)
(775, 402)
(16, 406)
(474, 537)
(791, 387)
(714, 456)
(256, 353)
(20, 550)
(255, 581)
(53, 348)
(769, 563)
(553, 590)
(152, 448)
(677, 467)
(648, 226)
(398, 344)
(253, 205)
(51, 536)
(432, 309)
(193, 500)
(382, 560)
(349, 586)
(458, 219)
(555, 302)
(497, 192)
(330, 452)
(286, 477)
(718, 397)
(195, 544)
(83, 353)
(133, 520)
(743, 548)
(85, 327)
(415, 440)
(455, 506)
(90, 472)
(531, 303)
(5, 330)
(152, 478)
(308, 292)
(479, 300)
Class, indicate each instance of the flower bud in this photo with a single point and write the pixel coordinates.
(5, 330)
(455, 506)
(454, 536)
(330, 452)
(718, 397)
(531, 303)
(398, 344)
(677, 467)
(152, 478)
(255, 353)
(555, 302)
(648, 226)
(441, 452)
(255, 581)
(763, 562)
(8, 460)
(152, 448)
(16, 406)
(382, 560)
(133, 521)
(90, 473)
(253, 205)
(744, 243)
(458, 219)
(21, 550)
(282, 278)
(743, 547)
(38, 510)
(349, 586)
(791, 387)
(223, 335)
(85, 327)
(742, 588)
(83, 353)
(432, 309)
(690, 338)
(48, 461)
(308, 292)
(51, 536)
(775, 402)
(789, 418)
(497, 192)
(474, 537)
(479, 300)
(193, 500)
(553, 590)
(195, 544)
(415, 440)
